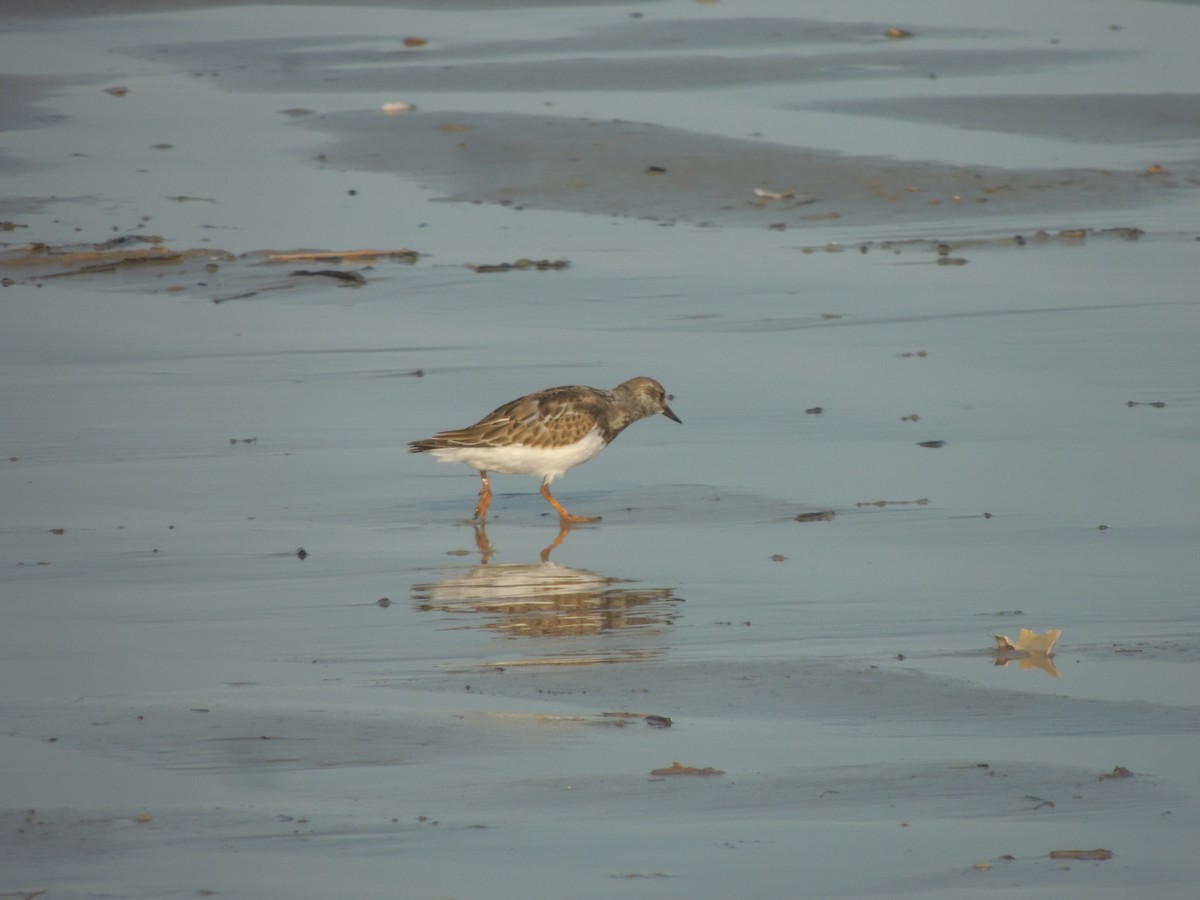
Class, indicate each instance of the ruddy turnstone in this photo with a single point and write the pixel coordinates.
(547, 433)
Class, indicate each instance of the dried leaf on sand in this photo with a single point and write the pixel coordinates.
(1030, 641)
(1030, 650)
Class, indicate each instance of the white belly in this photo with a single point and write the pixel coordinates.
(517, 459)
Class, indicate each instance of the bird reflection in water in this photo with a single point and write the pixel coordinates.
(486, 550)
(545, 598)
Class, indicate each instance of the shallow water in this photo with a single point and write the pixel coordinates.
(419, 709)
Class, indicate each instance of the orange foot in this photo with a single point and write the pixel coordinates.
(566, 517)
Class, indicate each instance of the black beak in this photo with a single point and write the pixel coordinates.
(670, 415)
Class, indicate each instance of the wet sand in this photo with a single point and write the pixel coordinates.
(938, 380)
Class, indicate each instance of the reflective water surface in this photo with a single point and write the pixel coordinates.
(926, 304)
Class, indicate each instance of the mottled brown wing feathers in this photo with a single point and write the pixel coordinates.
(552, 417)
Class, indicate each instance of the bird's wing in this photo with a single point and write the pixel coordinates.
(551, 417)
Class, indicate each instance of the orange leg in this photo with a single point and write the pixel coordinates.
(566, 517)
(485, 498)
